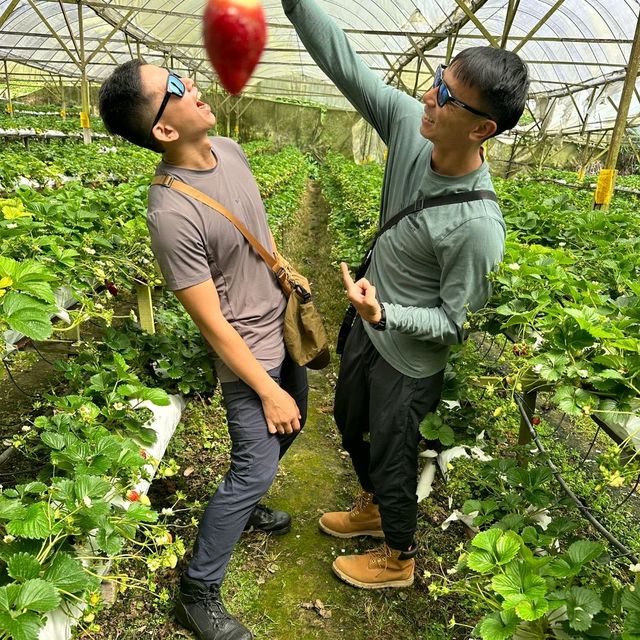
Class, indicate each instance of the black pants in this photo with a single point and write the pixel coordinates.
(374, 398)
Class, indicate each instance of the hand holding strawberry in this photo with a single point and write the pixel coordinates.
(235, 33)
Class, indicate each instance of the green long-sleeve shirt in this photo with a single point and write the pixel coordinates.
(432, 267)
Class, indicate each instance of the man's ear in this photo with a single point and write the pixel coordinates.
(485, 129)
(165, 132)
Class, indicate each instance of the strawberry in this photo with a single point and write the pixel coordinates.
(235, 33)
(520, 349)
(133, 496)
(111, 287)
(535, 421)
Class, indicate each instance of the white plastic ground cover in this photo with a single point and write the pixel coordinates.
(49, 133)
(64, 299)
(60, 623)
(627, 426)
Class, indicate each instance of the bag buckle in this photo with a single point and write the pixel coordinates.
(167, 181)
(303, 294)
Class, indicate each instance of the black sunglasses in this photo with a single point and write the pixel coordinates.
(444, 95)
(175, 87)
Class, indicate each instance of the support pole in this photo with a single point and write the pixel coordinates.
(9, 102)
(607, 177)
(85, 121)
(63, 111)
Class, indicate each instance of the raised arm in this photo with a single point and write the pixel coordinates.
(327, 44)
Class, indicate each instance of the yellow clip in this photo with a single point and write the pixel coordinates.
(85, 123)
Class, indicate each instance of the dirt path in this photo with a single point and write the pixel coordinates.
(298, 596)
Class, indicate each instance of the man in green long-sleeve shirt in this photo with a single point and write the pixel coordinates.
(425, 274)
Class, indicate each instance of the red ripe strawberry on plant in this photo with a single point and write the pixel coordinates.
(235, 33)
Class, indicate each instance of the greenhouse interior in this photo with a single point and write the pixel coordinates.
(469, 465)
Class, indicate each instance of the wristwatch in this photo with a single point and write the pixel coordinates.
(381, 325)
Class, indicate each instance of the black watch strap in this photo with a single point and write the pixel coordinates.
(381, 325)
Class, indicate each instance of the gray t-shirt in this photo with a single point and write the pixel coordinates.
(193, 243)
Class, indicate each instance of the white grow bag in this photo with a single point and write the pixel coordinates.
(60, 622)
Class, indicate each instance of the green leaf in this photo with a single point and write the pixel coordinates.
(631, 600)
(584, 551)
(91, 486)
(158, 397)
(481, 561)
(499, 626)
(53, 440)
(507, 547)
(23, 566)
(11, 509)
(519, 583)
(572, 400)
(551, 366)
(582, 605)
(487, 539)
(111, 543)
(36, 488)
(138, 512)
(532, 609)
(34, 523)
(66, 573)
(26, 626)
(446, 435)
(631, 626)
(38, 595)
(26, 315)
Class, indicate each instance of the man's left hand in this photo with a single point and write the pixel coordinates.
(362, 295)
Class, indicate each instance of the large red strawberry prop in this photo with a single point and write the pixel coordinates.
(235, 33)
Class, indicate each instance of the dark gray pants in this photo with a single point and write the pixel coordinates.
(255, 454)
(374, 398)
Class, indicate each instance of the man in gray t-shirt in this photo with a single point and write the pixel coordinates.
(235, 301)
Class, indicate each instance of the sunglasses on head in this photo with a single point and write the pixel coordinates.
(444, 95)
(175, 87)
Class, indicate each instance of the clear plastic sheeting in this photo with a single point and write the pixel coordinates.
(577, 50)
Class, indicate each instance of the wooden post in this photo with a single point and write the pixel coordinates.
(145, 307)
(607, 177)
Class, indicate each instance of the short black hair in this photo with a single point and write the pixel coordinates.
(125, 108)
(502, 79)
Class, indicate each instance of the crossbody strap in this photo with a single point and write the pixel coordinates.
(171, 183)
(419, 205)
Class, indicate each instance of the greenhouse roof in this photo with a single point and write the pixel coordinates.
(577, 50)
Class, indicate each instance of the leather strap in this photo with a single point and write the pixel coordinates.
(420, 205)
(171, 183)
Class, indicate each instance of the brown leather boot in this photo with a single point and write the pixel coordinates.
(362, 520)
(377, 569)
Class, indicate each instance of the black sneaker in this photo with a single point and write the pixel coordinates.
(200, 609)
(267, 520)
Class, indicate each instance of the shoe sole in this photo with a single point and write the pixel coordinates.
(273, 532)
(374, 533)
(392, 584)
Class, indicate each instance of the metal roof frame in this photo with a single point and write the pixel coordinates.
(572, 46)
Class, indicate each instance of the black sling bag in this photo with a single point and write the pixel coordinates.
(419, 205)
